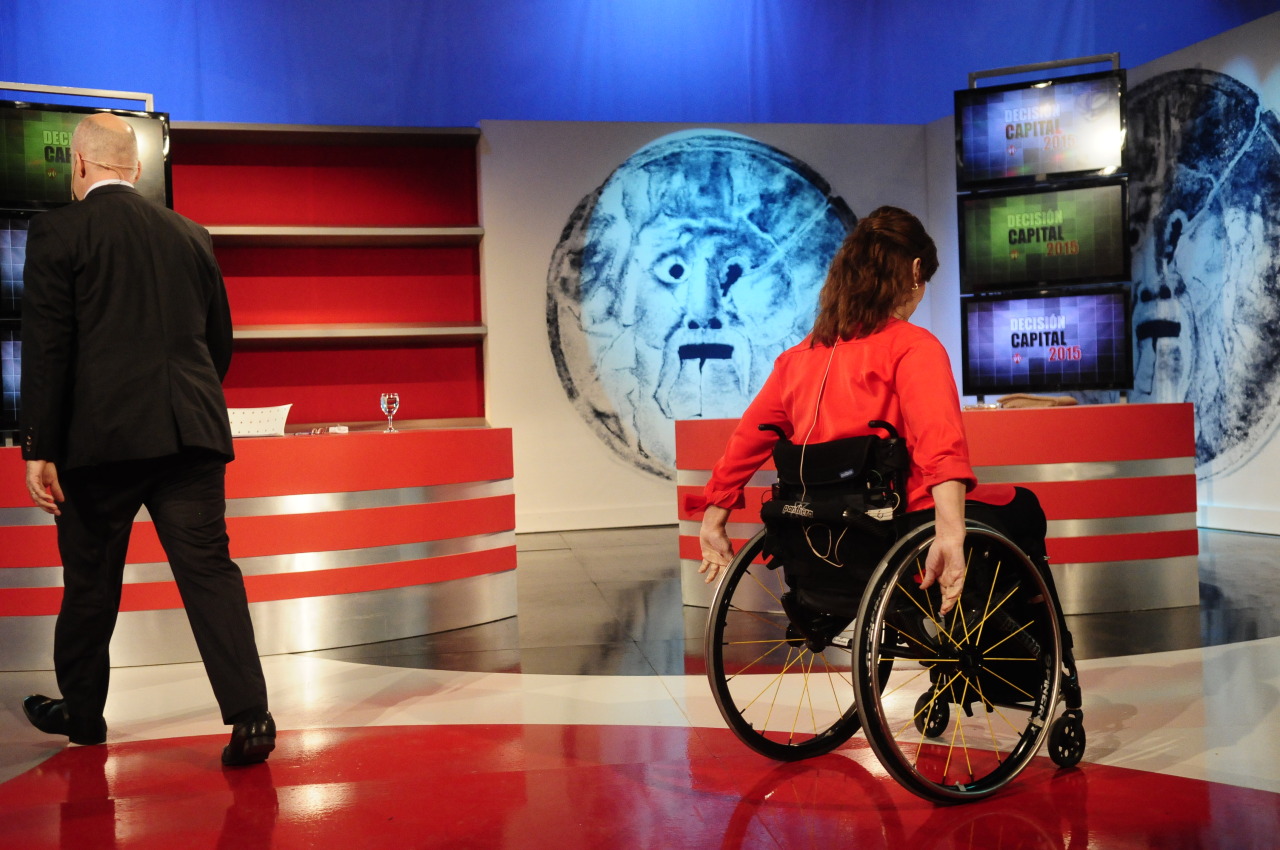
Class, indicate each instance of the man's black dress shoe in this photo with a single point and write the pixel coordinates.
(251, 741)
(50, 715)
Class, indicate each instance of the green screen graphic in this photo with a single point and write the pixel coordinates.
(35, 153)
(1063, 236)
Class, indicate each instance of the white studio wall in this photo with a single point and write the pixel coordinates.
(588, 457)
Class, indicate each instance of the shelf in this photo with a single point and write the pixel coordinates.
(244, 236)
(381, 424)
(422, 331)
(214, 132)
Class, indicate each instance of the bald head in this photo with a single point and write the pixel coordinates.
(104, 147)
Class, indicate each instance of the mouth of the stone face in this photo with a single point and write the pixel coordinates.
(1158, 329)
(1157, 364)
(705, 351)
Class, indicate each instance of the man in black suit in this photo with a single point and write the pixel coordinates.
(126, 336)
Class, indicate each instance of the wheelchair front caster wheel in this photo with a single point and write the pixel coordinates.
(932, 714)
(1066, 739)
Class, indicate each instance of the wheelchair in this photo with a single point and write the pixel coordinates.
(819, 628)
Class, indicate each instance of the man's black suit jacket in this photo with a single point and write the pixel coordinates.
(126, 334)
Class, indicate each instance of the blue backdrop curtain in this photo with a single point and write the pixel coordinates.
(455, 62)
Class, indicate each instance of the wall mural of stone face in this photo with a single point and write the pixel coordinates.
(677, 282)
(1205, 212)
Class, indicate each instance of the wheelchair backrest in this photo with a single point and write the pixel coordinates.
(867, 473)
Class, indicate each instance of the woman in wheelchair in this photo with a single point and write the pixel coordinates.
(865, 371)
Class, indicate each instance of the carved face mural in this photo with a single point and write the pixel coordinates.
(1205, 208)
(679, 280)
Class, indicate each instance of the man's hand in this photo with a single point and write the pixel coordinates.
(43, 485)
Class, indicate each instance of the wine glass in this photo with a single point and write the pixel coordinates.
(390, 404)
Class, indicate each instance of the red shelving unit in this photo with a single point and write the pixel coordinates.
(351, 257)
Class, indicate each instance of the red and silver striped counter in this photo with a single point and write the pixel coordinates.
(342, 539)
(1117, 483)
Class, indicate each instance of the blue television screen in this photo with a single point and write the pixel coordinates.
(1068, 126)
(1048, 341)
(10, 374)
(13, 255)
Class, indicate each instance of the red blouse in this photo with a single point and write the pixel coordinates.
(901, 374)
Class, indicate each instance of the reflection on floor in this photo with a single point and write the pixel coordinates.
(608, 603)
(585, 722)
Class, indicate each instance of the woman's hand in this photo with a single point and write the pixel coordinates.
(717, 551)
(945, 561)
(945, 565)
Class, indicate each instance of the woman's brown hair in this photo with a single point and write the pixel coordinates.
(871, 275)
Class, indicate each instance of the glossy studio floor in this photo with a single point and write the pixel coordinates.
(586, 721)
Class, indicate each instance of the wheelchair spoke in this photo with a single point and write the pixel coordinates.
(777, 597)
(989, 708)
(833, 676)
(806, 700)
(1013, 685)
(795, 659)
(740, 670)
(757, 616)
(1009, 657)
(986, 615)
(916, 674)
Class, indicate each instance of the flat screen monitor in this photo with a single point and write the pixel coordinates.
(1023, 132)
(35, 152)
(10, 374)
(1047, 235)
(1049, 341)
(13, 255)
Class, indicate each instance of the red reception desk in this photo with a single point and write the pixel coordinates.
(342, 538)
(1117, 483)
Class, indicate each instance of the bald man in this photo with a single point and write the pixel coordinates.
(126, 336)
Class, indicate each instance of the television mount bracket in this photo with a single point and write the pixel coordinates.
(147, 99)
(1113, 58)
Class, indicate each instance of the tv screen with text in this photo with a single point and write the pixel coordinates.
(1047, 235)
(1050, 128)
(35, 152)
(1049, 341)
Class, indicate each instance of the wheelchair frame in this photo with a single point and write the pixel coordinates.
(954, 707)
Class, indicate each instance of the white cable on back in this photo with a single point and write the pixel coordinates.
(833, 545)
(822, 388)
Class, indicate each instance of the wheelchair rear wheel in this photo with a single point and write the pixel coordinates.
(784, 695)
(955, 707)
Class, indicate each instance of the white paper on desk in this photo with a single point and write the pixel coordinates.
(258, 421)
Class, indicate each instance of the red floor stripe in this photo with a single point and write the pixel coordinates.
(584, 786)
